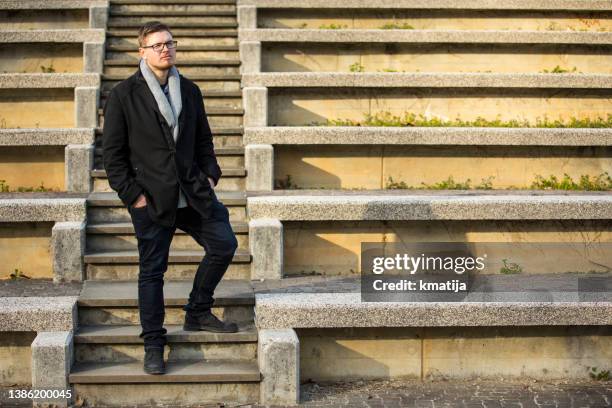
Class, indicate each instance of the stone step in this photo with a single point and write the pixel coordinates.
(119, 236)
(185, 384)
(227, 172)
(176, 256)
(176, 293)
(215, 131)
(190, 62)
(122, 344)
(113, 228)
(115, 302)
(178, 23)
(232, 179)
(176, 372)
(171, 13)
(178, 33)
(130, 47)
(227, 157)
(215, 67)
(104, 207)
(130, 335)
(212, 111)
(166, 2)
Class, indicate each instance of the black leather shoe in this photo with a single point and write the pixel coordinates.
(209, 322)
(154, 361)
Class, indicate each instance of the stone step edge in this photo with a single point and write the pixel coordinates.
(469, 136)
(335, 205)
(125, 293)
(423, 36)
(46, 136)
(178, 33)
(321, 310)
(113, 228)
(134, 48)
(226, 172)
(425, 79)
(106, 334)
(182, 63)
(209, 371)
(48, 81)
(563, 5)
(111, 199)
(241, 256)
(81, 35)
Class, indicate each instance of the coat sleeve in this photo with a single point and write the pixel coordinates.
(205, 153)
(117, 152)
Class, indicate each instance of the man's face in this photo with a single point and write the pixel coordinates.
(163, 60)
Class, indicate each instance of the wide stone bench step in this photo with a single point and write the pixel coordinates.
(339, 205)
(50, 5)
(184, 372)
(52, 36)
(46, 137)
(184, 62)
(562, 5)
(131, 48)
(112, 228)
(176, 256)
(130, 335)
(47, 81)
(176, 293)
(111, 199)
(382, 135)
(426, 80)
(281, 35)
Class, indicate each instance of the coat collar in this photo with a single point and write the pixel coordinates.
(152, 103)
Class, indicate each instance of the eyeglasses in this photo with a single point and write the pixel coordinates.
(158, 48)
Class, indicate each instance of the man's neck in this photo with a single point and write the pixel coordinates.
(161, 75)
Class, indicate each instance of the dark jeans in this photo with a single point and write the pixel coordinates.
(214, 234)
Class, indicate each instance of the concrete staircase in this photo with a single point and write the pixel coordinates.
(202, 367)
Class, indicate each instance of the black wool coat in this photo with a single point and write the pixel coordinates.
(140, 155)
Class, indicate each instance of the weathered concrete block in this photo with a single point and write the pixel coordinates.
(98, 17)
(247, 17)
(51, 361)
(68, 246)
(79, 161)
(86, 106)
(266, 245)
(279, 361)
(93, 57)
(259, 163)
(250, 57)
(255, 106)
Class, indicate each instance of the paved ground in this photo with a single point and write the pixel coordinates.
(439, 394)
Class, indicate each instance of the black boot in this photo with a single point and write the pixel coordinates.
(209, 322)
(154, 361)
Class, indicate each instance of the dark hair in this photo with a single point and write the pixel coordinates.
(151, 27)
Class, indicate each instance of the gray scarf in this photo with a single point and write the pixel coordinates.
(172, 110)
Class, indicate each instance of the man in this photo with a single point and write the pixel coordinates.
(159, 158)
